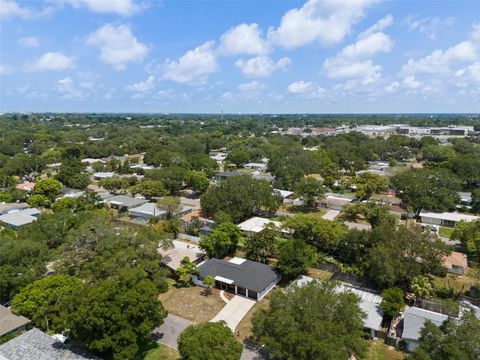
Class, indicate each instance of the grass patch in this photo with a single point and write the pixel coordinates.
(191, 303)
(380, 351)
(319, 274)
(161, 352)
(445, 232)
(243, 330)
(456, 282)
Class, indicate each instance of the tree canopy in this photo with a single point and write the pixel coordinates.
(311, 322)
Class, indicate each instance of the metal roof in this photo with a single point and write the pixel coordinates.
(414, 319)
(449, 216)
(19, 218)
(249, 274)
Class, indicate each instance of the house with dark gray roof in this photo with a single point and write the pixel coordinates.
(36, 345)
(239, 276)
(414, 319)
(10, 322)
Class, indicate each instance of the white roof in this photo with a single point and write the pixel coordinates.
(92, 161)
(450, 216)
(284, 193)
(148, 209)
(104, 174)
(256, 224)
(224, 280)
(236, 260)
(19, 218)
(414, 319)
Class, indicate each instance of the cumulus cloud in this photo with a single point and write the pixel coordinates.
(411, 82)
(118, 45)
(428, 26)
(325, 22)
(440, 61)
(299, 87)
(194, 67)
(143, 86)
(51, 61)
(68, 89)
(243, 39)
(354, 60)
(251, 86)
(392, 87)
(120, 7)
(262, 66)
(10, 9)
(471, 72)
(29, 41)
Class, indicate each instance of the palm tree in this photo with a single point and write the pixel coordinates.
(421, 287)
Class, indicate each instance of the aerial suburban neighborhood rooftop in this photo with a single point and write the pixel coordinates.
(239, 180)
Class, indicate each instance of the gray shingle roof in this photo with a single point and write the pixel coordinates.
(9, 321)
(414, 320)
(249, 274)
(36, 345)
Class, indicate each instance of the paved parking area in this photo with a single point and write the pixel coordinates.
(234, 311)
(168, 333)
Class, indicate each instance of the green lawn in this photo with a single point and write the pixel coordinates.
(445, 232)
(162, 352)
(380, 351)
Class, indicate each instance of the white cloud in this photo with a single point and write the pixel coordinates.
(323, 21)
(29, 41)
(379, 26)
(428, 26)
(120, 7)
(143, 86)
(440, 61)
(299, 87)
(353, 61)
(67, 87)
(10, 9)
(5, 69)
(118, 45)
(51, 61)
(194, 67)
(251, 86)
(392, 87)
(471, 72)
(262, 66)
(362, 69)
(411, 82)
(368, 46)
(243, 39)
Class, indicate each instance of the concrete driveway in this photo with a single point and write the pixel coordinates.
(168, 333)
(331, 214)
(234, 311)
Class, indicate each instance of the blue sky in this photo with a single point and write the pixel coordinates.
(271, 56)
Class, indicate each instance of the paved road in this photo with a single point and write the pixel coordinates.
(234, 311)
(167, 333)
(331, 214)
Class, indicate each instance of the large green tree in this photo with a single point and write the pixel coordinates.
(369, 183)
(261, 246)
(295, 257)
(222, 241)
(309, 189)
(430, 189)
(41, 301)
(49, 188)
(116, 316)
(240, 197)
(209, 341)
(311, 322)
